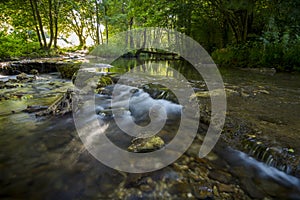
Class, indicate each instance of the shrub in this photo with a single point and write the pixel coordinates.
(15, 46)
(279, 55)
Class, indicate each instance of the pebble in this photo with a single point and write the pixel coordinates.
(145, 188)
(189, 195)
(180, 167)
(180, 187)
(203, 192)
(215, 191)
(226, 188)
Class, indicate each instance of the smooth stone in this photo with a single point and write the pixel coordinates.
(215, 191)
(34, 72)
(180, 187)
(145, 188)
(140, 145)
(226, 188)
(203, 192)
(180, 167)
(22, 76)
(220, 176)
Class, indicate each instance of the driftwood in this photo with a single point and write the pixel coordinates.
(157, 54)
(61, 106)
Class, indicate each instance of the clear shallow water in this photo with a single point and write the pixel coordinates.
(45, 159)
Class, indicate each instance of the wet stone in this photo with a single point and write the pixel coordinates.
(22, 76)
(220, 176)
(215, 191)
(180, 187)
(226, 188)
(34, 72)
(203, 192)
(145, 188)
(25, 78)
(252, 189)
(150, 182)
(140, 145)
(9, 85)
(180, 167)
(195, 177)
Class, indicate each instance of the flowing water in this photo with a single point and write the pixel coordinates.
(43, 158)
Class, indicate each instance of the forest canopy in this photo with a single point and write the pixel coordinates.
(248, 33)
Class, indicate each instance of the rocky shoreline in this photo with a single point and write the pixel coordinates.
(189, 177)
(236, 133)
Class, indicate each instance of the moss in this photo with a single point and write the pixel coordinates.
(140, 145)
(103, 82)
(68, 70)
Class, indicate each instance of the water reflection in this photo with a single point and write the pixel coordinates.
(161, 68)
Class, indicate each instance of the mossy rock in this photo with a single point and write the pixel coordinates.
(103, 82)
(141, 145)
(157, 91)
(34, 72)
(68, 70)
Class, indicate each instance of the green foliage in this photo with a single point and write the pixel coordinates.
(104, 81)
(249, 33)
(234, 56)
(282, 55)
(15, 46)
(108, 51)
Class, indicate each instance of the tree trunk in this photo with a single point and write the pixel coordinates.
(141, 48)
(101, 36)
(189, 19)
(78, 29)
(56, 13)
(56, 32)
(81, 40)
(39, 19)
(50, 24)
(245, 27)
(97, 24)
(36, 24)
(131, 43)
(106, 23)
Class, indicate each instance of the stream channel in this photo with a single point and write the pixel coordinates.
(257, 157)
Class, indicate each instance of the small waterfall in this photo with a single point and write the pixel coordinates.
(273, 156)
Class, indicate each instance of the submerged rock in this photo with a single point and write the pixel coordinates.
(226, 188)
(25, 78)
(140, 145)
(203, 192)
(34, 72)
(220, 176)
(157, 91)
(34, 108)
(22, 76)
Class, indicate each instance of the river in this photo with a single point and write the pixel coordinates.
(44, 158)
